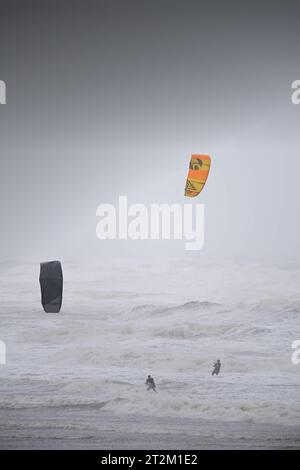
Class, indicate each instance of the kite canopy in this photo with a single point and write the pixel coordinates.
(197, 176)
(51, 281)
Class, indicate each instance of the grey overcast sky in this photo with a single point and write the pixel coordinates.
(111, 97)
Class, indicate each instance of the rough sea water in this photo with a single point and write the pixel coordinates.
(76, 379)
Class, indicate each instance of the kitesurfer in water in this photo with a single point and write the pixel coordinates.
(217, 367)
(150, 383)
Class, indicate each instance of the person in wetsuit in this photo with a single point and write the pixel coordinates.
(217, 367)
(150, 383)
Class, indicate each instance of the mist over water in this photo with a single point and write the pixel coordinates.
(171, 319)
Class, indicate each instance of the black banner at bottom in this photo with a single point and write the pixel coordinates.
(136, 459)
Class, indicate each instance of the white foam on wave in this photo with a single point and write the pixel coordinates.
(108, 337)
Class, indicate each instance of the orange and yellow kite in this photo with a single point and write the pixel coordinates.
(197, 176)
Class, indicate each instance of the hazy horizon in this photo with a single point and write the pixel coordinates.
(111, 98)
